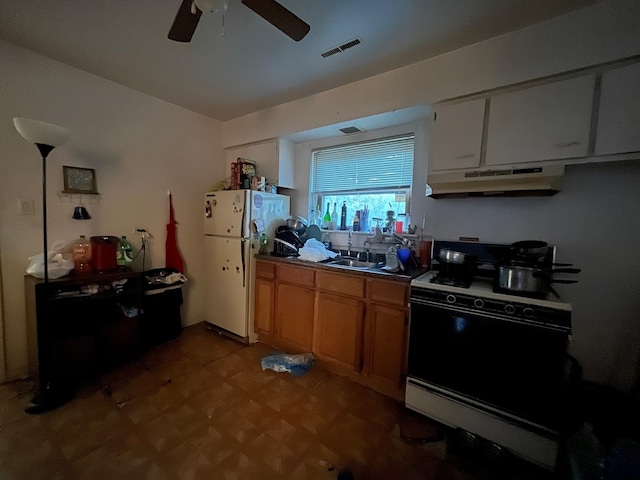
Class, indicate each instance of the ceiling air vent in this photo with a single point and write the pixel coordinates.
(349, 130)
(341, 48)
(328, 53)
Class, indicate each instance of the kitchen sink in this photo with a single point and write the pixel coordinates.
(353, 263)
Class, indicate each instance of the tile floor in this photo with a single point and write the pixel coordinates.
(200, 407)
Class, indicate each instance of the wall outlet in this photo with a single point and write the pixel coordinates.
(141, 231)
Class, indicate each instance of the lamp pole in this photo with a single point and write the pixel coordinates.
(46, 137)
(44, 151)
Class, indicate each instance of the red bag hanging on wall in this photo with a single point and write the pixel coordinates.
(172, 254)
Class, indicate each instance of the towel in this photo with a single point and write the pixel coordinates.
(315, 251)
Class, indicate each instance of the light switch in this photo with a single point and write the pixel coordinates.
(25, 207)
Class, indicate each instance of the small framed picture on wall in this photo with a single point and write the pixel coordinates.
(79, 180)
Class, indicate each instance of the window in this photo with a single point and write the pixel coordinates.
(374, 174)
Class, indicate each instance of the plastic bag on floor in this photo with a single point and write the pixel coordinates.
(283, 362)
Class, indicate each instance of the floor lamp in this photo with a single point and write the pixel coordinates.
(46, 136)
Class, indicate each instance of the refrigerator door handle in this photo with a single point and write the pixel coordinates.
(242, 243)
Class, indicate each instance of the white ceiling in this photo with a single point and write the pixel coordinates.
(255, 66)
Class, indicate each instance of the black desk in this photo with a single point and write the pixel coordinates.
(79, 326)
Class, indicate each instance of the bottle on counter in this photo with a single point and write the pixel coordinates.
(319, 221)
(82, 256)
(334, 215)
(356, 221)
(327, 218)
(312, 218)
(124, 254)
(343, 216)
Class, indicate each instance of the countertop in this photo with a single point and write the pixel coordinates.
(404, 277)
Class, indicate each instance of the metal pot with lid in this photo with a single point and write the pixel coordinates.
(530, 280)
(446, 255)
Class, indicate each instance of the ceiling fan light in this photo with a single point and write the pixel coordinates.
(42, 133)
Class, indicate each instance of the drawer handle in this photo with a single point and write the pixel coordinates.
(467, 155)
(567, 144)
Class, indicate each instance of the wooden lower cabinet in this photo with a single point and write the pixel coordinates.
(355, 326)
(265, 292)
(337, 332)
(294, 315)
(386, 340)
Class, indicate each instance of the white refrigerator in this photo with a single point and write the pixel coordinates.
(233, 220)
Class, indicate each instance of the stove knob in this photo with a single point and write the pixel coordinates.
(478, 303)
(510, 309)
(451, 298)
(529, 312)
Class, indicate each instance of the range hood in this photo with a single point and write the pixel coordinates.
(510, 182)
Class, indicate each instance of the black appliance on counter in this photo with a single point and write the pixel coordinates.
(286, 243)
(489, 363)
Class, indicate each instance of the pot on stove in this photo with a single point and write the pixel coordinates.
(529, 280)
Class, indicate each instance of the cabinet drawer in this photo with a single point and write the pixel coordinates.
(296, 275)
(391, 293)
(265, 270)
(342, 284)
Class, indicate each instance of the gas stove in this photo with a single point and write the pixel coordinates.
(488, 362)
(480, 296)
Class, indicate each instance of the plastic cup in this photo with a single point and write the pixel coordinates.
(399, 226)
(425, 252)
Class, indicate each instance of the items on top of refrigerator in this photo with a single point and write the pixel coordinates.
(242, 172)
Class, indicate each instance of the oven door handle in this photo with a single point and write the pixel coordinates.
(493, 316)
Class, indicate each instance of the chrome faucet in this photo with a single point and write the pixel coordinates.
(349, 243)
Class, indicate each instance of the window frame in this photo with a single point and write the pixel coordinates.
(318, 197)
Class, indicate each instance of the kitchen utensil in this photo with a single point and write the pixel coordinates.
(313, 231)
(297, 224)
(447, 255)
(283, 248)
(291, 237)
(528, 280)
(533, 249)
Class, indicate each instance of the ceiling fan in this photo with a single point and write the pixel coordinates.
(190, 11)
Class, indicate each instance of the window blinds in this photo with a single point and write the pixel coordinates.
(386, 163)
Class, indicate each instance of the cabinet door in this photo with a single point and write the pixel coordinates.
(338, 330)
(265, 294)
(274, 159)
(386, 338)
(619, 114)
(294, 315)
(546, 122)
(456, 137)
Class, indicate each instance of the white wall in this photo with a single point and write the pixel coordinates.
(603, 32)
(139, 146)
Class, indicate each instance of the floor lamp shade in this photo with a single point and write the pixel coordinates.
(41, 133)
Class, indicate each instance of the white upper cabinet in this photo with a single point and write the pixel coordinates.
(546, 122)
(274, 159)
(456, 138)
(619, 114)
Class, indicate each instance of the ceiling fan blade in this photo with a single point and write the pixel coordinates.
(279, 17)
(185, 22)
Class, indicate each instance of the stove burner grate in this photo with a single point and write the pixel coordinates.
(452, 282)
